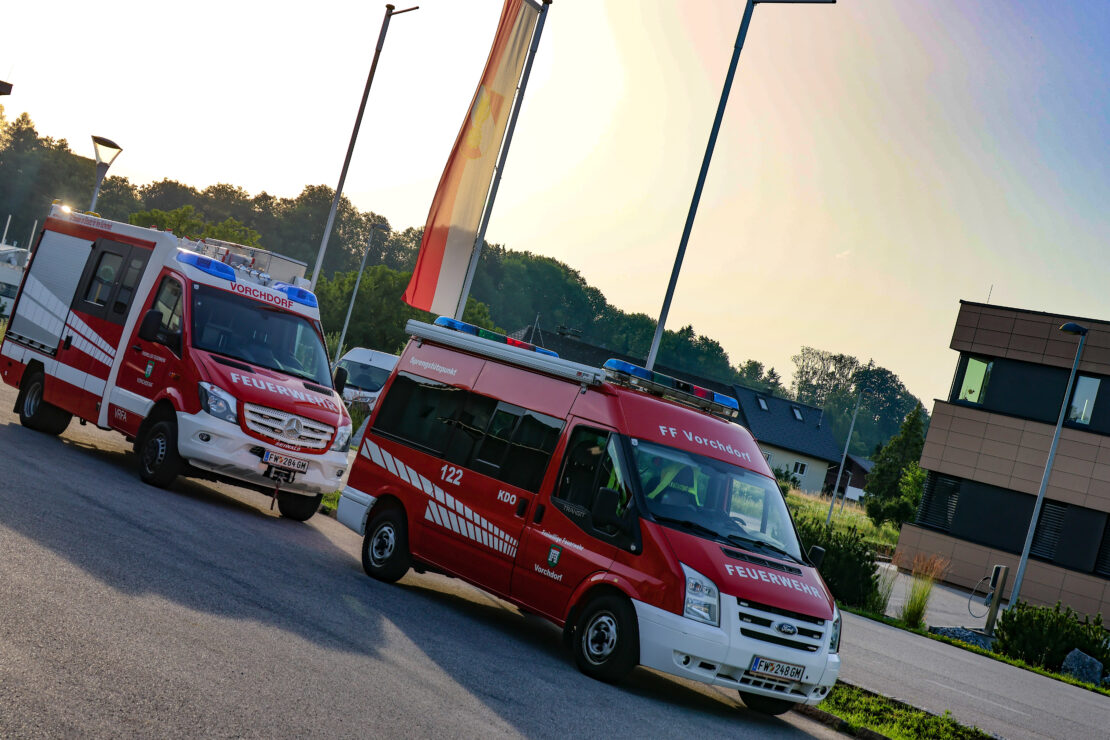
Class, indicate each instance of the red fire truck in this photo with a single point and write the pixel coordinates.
(624, 505)
(208, 355)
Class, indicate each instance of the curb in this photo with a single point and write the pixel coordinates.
(836, 723)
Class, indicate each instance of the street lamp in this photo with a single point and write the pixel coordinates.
(106, 152)
(5, 88)
(1069, 328)
(358, 280)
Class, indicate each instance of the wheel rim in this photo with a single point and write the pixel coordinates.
(32, 399)
(600, 639)
(383, 544)
(154, 453)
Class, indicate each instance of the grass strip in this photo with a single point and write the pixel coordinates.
(892, 622)
(865, 713)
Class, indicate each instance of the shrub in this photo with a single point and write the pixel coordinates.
(849, 566)
(927, 569)
(1044, 636)
(879, 600)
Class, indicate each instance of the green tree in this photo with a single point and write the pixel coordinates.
(186, 222)
(885, 501)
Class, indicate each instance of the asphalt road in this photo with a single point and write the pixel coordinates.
(128, 611)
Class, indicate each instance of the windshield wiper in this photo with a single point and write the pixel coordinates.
(690, 525)
(742, 541)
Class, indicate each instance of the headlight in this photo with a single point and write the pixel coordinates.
(342, 439)
(217, 402)
(703, 600)
(834, 633)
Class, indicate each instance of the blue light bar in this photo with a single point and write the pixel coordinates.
(728, 401)
(297, 295)
(673, 388)
(547, 352)
(204, 264)
(449, 323)
(628, 368)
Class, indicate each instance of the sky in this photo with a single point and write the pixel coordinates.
(879, 160)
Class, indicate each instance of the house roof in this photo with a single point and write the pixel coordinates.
(862, 462)
(785, 423)
(777, 426)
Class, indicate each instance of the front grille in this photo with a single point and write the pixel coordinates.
(757, 621)
(276, 425)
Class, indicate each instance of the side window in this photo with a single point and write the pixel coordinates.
(530, 450)
(592, 462)
(168, 302)
(127, 285)
(104, 278)
(420, 411)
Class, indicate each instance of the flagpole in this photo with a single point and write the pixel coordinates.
(389, 13)
(481, 235)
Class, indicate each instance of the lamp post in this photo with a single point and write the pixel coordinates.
(847, 442)
(745, 20)
(106, 152)
(358, 280)
(1069, 328)
(389, 13)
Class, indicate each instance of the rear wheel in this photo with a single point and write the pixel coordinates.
(606, 639)
(385, 548)
(37, 414)
(766, 704)
(297, 507)
(159, 462)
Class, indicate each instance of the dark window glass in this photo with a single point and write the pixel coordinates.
(168, 303)
(104, 278)
(127, 286)
(420, 411)
(495, 445)
(938, 501)
(365, 377)
(470, 428)
(530, 450)
(1083, 400)
(593, 461)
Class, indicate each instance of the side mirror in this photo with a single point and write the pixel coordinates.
(151, 323)
(340, 379)
(816, 556)
(605, 508)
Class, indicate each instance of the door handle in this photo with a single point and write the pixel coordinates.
(136, 348)
(539, 513)
(521, 506)
(68, 342)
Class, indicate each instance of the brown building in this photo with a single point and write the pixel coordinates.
(986, 449)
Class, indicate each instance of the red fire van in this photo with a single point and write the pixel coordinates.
(209, 355)
(624, 505)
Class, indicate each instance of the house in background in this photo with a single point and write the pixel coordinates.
(852, 480)
(985, 455)
(791, 435)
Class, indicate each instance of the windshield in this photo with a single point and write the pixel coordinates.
(364, 377)
(709, 497)
(238, 327)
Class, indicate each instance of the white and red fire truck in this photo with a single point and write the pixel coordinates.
(214, 367)
(624, 505)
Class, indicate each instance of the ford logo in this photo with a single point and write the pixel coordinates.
(786, 628)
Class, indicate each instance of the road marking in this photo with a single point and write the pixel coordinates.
(988, 701)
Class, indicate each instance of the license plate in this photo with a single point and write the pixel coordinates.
(777, 669)
(279, 460)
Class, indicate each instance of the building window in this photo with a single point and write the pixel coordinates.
(1083, 400)
(977, 377)
(1046, 537)
(797, 413)
(762, 403)
(938, 501)
(800, 468)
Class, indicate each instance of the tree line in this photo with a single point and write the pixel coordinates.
(512, 289)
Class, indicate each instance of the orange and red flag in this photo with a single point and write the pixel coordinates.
(452, 227)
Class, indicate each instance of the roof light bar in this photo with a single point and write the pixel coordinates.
(626, 373)
(204, 264)
(477, 331)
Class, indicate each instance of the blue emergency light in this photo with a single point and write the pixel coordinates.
(204, 264)
(297, 295)
(477, 331)
(674, 388)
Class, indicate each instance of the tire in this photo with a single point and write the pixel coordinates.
(37, 414)
(297, 507)
(766, 704)
(606, 639)
(159, 463)
(385, 548)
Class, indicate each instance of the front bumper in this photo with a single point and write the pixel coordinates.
(722, 656)
(228, 452)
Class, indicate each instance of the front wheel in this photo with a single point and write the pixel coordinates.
(159, 462)
(766, 704)
(606, 639)
(385, 548)
(297, 507)
(37, 414)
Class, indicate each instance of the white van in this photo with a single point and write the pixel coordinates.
(367, 371)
